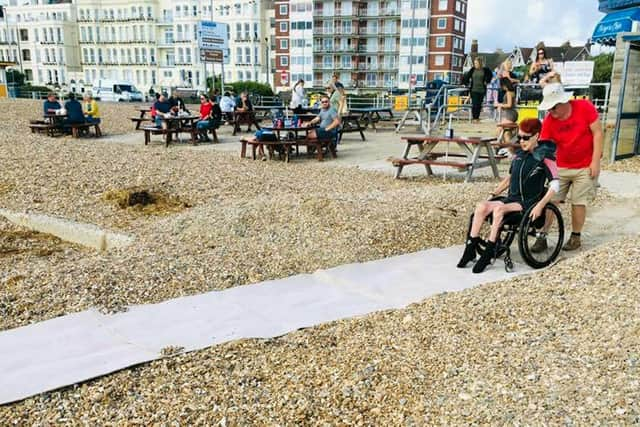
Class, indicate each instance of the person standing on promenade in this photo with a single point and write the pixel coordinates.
(575, 127)
(477, 79)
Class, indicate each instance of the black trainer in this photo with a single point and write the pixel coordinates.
(485, 259)
(469, 251)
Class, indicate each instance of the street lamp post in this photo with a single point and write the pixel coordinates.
(266, 42)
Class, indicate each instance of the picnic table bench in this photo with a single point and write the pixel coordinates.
(470, 158)
(39, 126)
(76, 129)
(372, 115)
(291, 140)
(153, 130)
(350, 123)
(319, 145)
(244, 118)
(139, 120)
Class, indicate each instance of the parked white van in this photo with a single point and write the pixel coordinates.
(118, 91)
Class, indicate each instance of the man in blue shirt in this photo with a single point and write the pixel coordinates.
(51, 105)
(162, 107)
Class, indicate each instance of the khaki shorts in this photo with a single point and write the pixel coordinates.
(576, 186)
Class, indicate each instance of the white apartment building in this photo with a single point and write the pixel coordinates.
(152, 43)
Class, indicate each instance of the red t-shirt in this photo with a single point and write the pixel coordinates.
(205, 109)
(572, 136)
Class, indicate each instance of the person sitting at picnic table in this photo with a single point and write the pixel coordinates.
(328, 120)
(51, 104)
(176, 101)
(245, 103)
(75, 114)
(532, 165)
(152, 110)
(227, 105)
(90, 109)
(210, 117)
(162, 109)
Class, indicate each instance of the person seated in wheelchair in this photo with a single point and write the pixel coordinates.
(532, 166)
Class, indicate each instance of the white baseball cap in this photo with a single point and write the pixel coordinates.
(553, 94)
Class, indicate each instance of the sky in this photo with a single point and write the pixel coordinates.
(508, 23)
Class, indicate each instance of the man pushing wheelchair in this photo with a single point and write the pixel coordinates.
(524, 208)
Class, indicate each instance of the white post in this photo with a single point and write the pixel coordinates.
(412, 4)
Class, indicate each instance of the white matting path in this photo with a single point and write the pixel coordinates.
(78, 347)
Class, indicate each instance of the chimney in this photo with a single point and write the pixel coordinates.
(474, 48)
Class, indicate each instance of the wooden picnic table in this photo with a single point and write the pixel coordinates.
(470, 159)
(372, 115)
(138, 120)
(244, 118)
(288, 138)
(350, 123)
(175, 125)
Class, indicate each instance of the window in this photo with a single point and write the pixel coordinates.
(440, 41)
(442, 23)
(26, 55)
(284, 9)
(458, 6)
(284, 44)
(439, 60)
(283, 27)
(284, 61)
(443, 4)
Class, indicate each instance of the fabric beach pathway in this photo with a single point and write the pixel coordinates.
(77, 347)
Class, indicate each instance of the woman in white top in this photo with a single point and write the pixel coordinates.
(227, 105)
(297, 96)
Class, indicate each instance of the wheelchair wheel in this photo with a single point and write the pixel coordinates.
(530, 231)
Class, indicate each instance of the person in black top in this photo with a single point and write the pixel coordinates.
(74, 111)
(534, 164)
(245, 103)
(176, 101)
(477, 78)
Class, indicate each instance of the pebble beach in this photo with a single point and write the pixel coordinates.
(559, 346)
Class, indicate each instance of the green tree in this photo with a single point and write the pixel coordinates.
(602, 67)
(15, 76)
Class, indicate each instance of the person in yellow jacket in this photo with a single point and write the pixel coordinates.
(90, 109)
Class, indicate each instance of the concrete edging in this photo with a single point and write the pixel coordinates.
(83, 234)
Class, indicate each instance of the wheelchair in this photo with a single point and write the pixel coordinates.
(527, 231)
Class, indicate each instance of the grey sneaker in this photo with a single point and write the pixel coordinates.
(572, 244)
(539, 245)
